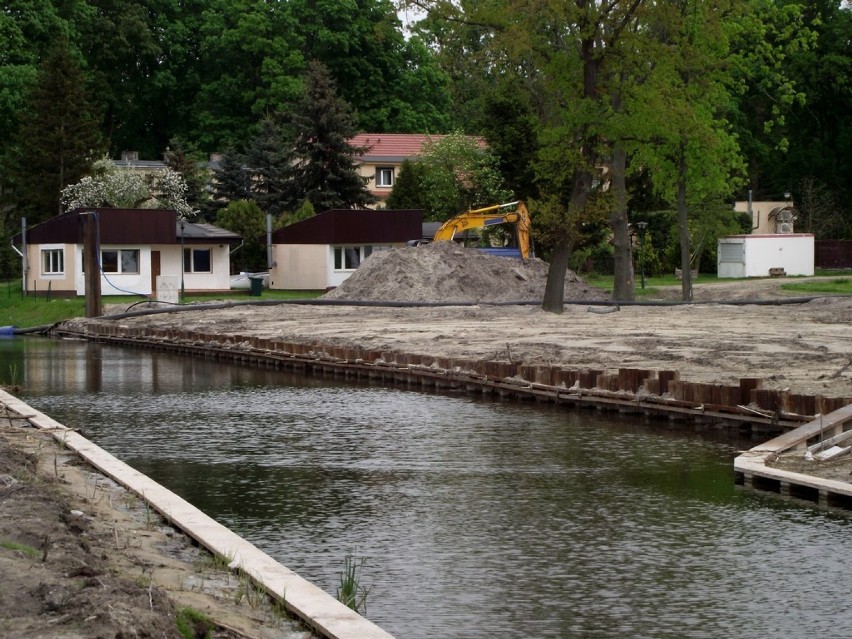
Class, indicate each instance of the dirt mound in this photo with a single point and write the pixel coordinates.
(448, 272)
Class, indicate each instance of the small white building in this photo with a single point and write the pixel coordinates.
(772, 249)
(766, 254)
(322, 251)
(139, 250)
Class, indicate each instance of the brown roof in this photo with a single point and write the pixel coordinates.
(395, 147)
(125, 226)
(353, 226)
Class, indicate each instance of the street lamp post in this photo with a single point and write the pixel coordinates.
(182, 263)
(642, 226)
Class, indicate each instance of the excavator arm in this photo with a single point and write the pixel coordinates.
(515, 213)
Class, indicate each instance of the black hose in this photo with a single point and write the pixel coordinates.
(177, 308)
(399, 304)
(44, 329)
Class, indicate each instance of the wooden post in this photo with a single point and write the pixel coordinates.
(91, 263)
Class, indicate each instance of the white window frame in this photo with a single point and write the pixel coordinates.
(385, 176)
(363, 252)
(47, 254)
(120, 262)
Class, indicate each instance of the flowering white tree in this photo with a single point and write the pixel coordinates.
(120, 188)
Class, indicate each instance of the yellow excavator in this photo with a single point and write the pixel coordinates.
(514, 213)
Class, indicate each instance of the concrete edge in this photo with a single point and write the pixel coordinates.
(309, 602)
(753, 461)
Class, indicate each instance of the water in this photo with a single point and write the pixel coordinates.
(477, 518)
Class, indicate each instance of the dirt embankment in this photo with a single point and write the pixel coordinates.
(81, 558)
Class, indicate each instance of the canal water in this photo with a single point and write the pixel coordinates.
(476, 518)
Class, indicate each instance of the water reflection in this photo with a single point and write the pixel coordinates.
(478, 519)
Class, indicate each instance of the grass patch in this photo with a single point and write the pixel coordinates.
(351, 593)
(837, 286)
(192, 623)
(26, 311)
(35, 553)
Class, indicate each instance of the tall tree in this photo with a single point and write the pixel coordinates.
(246, 218)
(59, 137)
(816, 162)
(231, 178)
(510, 126)
(392, 81)
(407, 192)
(321, 167)
(457, 174)
(267, 157)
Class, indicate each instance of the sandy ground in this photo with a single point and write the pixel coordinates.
(804, 347)
(82, 558)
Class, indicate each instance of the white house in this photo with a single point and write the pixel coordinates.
(322, 251)
(141, 251)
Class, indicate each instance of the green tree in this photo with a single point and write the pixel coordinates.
(248, 65)
(816, 162)
(458, 174)
(182, 158)
(305, 211)
(510, 126)
(392, 82)
(407, 192)
(59, 137)
(321, 166)
(267, 157)
(246, 218)
(27, 31)
(231, 178)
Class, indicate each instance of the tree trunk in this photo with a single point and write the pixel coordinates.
(624, 285)
(683, 228)
(554, 289)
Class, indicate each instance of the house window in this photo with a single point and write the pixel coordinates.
(53, 261)
(120, 261)
(196, 261)
(384, 176)
(348, 258)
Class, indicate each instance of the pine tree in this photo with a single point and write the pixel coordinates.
(59, 137)
(268, 158)
(407, 192)
(231, 179)
(322, 164)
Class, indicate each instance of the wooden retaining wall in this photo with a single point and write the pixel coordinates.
(746, 405)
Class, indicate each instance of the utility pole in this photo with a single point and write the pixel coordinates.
(642, 226)
(92, 265)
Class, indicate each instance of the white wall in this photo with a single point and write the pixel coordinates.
(38, 282)
(299, 267)
(171, 262)
(119, 283)
(794, 252)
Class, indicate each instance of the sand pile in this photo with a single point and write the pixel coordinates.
(448, 272)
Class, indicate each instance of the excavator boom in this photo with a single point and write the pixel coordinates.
(517, 214)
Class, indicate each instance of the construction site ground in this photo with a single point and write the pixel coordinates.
(78, 559)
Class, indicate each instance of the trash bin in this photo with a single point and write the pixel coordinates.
(256, 285)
